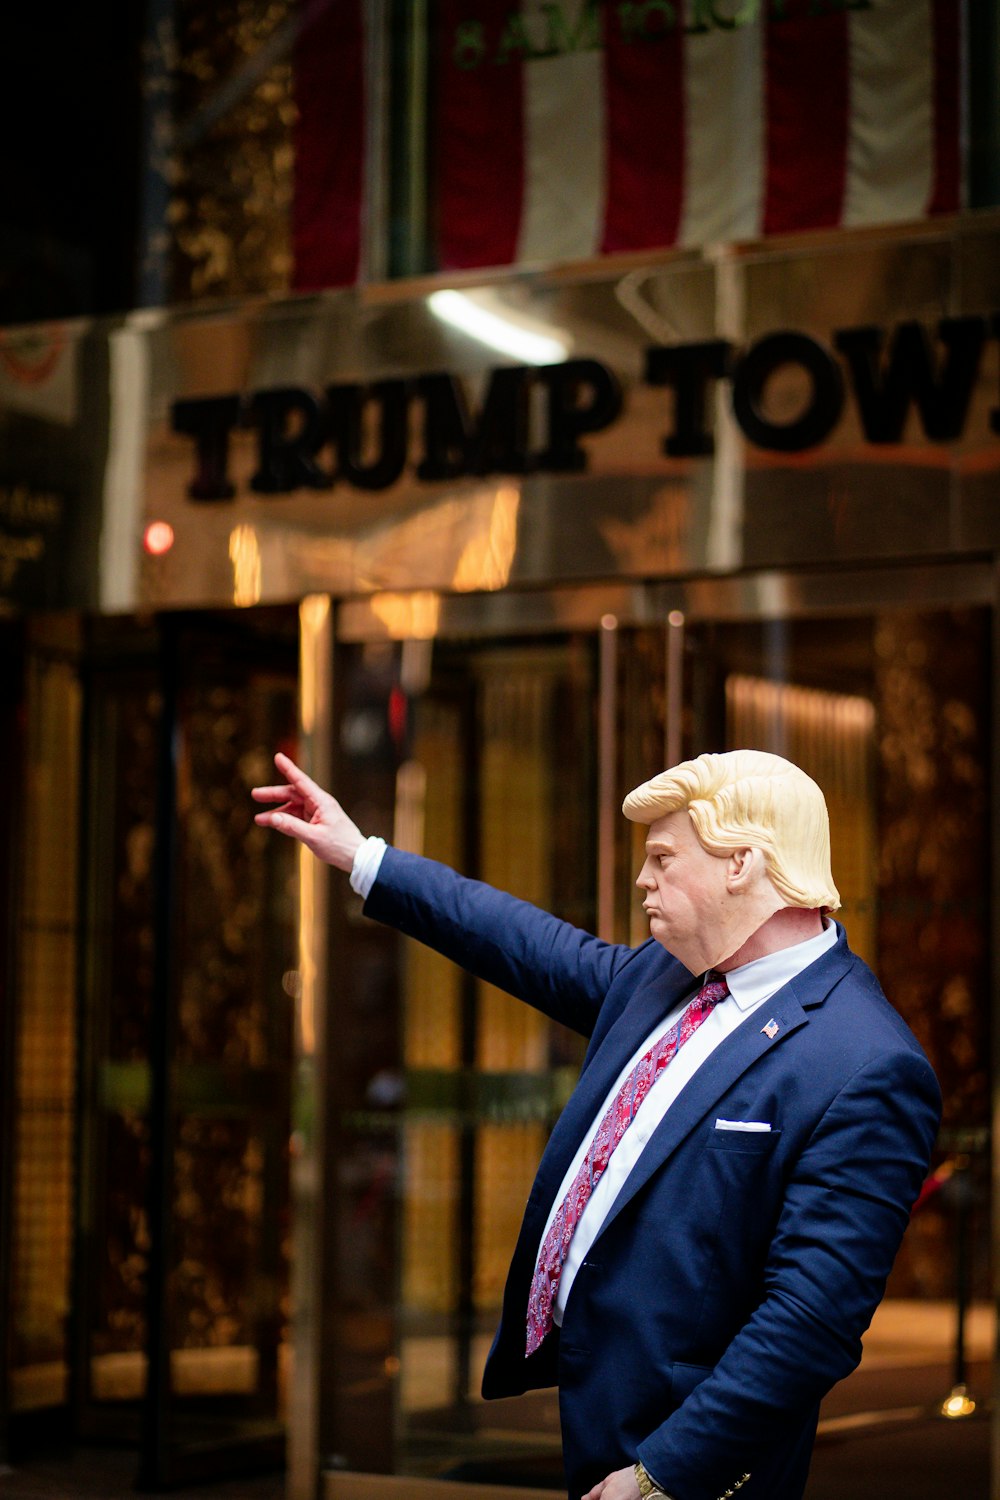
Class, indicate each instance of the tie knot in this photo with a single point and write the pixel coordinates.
(714, 989)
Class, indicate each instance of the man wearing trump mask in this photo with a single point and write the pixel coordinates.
(719, 1205)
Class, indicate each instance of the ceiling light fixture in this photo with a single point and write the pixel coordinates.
(499, 331)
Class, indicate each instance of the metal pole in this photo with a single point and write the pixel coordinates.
(13, 694)
(607, 775)
(673, 736)
(994, 933)
(310, 1228)
(154, 1458)
(959, 1402)
(962, 1197)
(983, 54)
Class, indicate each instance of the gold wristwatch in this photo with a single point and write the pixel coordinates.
(647, 1489)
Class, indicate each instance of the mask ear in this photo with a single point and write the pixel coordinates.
(744, 865)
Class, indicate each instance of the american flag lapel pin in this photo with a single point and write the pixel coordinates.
(771, 1030)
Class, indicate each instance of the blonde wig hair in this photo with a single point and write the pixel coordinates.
(750, 799)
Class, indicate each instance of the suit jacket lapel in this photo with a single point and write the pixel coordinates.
(645, 1008)
(764, 1029)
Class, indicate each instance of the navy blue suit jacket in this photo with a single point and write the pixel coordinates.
(732, 1280)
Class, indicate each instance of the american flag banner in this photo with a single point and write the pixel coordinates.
(328, 206)
(569, 130)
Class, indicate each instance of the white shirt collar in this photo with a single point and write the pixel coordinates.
(756, 981)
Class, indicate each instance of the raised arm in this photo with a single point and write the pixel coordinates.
(510, 943)
(550, 964)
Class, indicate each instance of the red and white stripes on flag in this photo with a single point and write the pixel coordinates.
(565, 131)
(329, 142)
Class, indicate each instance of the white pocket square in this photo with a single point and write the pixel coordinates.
(742, 1125)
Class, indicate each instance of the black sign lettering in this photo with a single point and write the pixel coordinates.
(885, 385)
(209, 421)
(287, 459)
(368, 426)
(447, 427)
(348, 405)
(494, 441)
(688, 368)
(826, 401)
(570, 416)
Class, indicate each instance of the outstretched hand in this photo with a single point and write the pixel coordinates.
(307, 813)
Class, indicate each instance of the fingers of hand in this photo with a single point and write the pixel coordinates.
(285, 821)
(303, 784)
(272, 793)
(271, 818)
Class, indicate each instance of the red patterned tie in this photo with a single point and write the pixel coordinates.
(619, 1116)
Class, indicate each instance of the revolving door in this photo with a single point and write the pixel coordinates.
(151, 1042)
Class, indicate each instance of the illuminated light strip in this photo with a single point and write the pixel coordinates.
(459, 311)
(244, 554)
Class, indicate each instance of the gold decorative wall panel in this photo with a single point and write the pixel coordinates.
(45, 1059)
(832, 737)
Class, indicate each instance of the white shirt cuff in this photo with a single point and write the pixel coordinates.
(367, 862)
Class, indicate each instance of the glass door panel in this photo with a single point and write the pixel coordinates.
(187, 1055)
(889, 711)
(481, 756)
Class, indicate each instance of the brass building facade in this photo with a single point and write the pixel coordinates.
(266, 1161)
(262, 1163)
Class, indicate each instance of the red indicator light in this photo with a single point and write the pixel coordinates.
(158, 538)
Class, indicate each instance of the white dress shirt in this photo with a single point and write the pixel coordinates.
(367, 859)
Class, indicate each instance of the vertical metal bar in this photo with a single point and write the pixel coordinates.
(155, 1454)
(407, 216)
(83, 1282)
(472, 854)
(417, 117)
(310, 1101)
(375, 226)
(962, 1188)
(673, 738)
(13, 654)
(983, 74)
(994, 920)
(608, 800)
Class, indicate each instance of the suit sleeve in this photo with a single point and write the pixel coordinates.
(843, 1215)
(552, 965)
